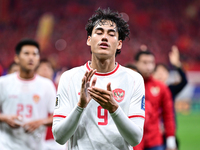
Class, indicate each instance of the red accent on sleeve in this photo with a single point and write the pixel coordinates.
(133, 116)
(59, 116)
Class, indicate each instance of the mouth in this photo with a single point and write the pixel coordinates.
(30, 63)
(104, 45)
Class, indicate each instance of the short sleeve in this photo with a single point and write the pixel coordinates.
(137, 106)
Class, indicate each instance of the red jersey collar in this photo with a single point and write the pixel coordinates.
(103, 74)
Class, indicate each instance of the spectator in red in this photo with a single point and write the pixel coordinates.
(160, 98)
(162, 73)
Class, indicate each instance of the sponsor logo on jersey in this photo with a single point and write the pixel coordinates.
(36, 98)
(57, 101)
(155, 91)
(118, 94)
(143, 103)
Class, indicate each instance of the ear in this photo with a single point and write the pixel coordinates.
(16, 59)
(119, 46)
(89, 41)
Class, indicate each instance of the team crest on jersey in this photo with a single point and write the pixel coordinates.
(143, 103)
(155, 91)
(118, 94)
(57, 101)
(36, 98)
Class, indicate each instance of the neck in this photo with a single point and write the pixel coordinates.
(26, 74)
(103, 66)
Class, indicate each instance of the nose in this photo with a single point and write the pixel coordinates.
(104, 37)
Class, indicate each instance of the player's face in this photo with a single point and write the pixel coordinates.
(28, 58)
(161, 74)
(146, 65)
(104, 40)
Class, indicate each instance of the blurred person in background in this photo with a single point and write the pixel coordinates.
(161, 73)
(45, 69)
(108, 112)
(131, 66)
(26, 99)
(14, 67)
(148, 111)
(160, 98)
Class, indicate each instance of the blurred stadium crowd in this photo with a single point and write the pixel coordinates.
(59, 28)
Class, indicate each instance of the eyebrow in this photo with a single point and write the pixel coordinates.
(109, 30)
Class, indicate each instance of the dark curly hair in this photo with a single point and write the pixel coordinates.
(106, 14)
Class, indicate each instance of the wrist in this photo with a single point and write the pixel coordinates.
(113, 109)
(171, 142)
(81, 105)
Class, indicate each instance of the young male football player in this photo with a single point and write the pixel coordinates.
(25, 101)
(100, 105)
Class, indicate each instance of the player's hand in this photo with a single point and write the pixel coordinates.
(84, 96)
(174, 57)
(104, 97)
(13, 121)
(32, 125)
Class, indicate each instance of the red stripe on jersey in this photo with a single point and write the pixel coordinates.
(59, 116)
(103, 74)
(133, 116)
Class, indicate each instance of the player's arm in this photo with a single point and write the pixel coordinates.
(130, 129)
(12, 120)
(168, 119)
(33, 125)
(174, 58)
(64, 128)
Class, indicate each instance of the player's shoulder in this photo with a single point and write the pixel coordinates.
(159, 83)
(132, 73)
(8, 77)
(163, 87)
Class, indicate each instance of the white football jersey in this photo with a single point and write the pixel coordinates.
(30, 99)
(96, 129)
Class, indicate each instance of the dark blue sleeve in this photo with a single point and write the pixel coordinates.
(176, 88)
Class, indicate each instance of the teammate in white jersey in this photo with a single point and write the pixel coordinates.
(25, 101)
(101, 105)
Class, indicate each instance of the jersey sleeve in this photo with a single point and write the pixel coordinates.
(62, 104)
(137, 105)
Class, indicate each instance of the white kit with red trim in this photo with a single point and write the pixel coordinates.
(96, 126)
(29, 99)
